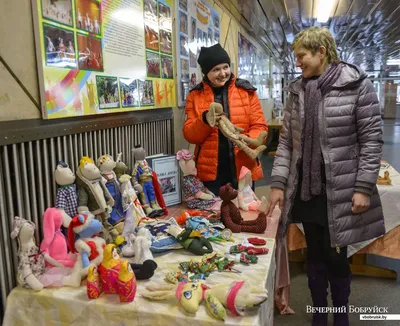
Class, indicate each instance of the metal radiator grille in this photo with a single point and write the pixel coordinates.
(27, 185)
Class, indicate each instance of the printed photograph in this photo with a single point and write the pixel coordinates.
(146, 93)
(183, 22)
(168, 185)
(151, 37)
(150, 11)
(216, 20)
(89, 53)
(107, 90)
(88, 16)
(216, 37)
(185, 69)
(193, 80)
(164, 17)
(167, 67)
(205, 38)
(183, 5)
(199, 40)
(129, 92)
(59, 47)
(192, 59)
(193, 29)
(153, 64)
(59, 11)
(210, 38)
(165, 41)
(184, 45)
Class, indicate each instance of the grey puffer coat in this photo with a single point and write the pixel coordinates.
(351, 145)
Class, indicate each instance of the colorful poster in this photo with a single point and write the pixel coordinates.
(198, 25)
(104, 56)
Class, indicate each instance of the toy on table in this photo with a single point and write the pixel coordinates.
(232, 218)
(236, 296)
(93, 195)
(143, 175)
(256, 241)
(83, 240)
(246, 196)
(126, 283)
(120, 167)
(196, 195)
(385, 180)
(109, 269)
(233, 133)
(116, 218)
(94, 285)
(144, 271)
(54, 242)
(141, 246)
(191, 240)
(249, 249)
(32, 273)
(67, 198)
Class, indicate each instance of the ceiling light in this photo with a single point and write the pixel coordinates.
(324, 10)
(393, 62)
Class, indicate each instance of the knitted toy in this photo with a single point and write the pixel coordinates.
(191, 240)
(385, 180)
(196, 195)
(32, 273)
(246, 196)
(54, 242)
(66, 199)
(237, 296)
(230, 131)
(83, 239)
(231, 217)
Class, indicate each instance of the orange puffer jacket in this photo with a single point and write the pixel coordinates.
(245, 112)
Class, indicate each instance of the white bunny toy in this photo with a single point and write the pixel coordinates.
(141, 246)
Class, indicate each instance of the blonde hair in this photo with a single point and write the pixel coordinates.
(313, 38)
(85, 159)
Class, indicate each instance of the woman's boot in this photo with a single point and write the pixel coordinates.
(340, 291)
(318, 284)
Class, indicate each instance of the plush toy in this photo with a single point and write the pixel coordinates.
(237, 296)
(120, 167)
(126, 283)
(66, 199)
(32, 271)
(106, 164)
(385, 180)
(231, 217)
(196, 195)
(54, 242)
(141, 246)
(142, 174)
(83, 240)
(144, 271)
(191, 240)
(230, 131)
(246, 196)
(94, 285)
(109, 269)
(94, 196)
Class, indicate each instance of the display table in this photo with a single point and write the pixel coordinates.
(70, 306)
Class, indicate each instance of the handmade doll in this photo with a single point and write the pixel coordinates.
(141, 246)
(231, 217)
(94, 285)
(126, 283)
(66, 199)
(246, 196)
(32, 272)
(109, 269)
(237, 296)
(191, 240)
(233, 133)
(120, 167)
(196, 195)
(106, 164)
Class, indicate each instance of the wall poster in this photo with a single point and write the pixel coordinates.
(253, 66)
(104, 56)
(198, 25)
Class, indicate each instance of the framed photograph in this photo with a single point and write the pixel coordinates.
(216, 20)
(153, 64)
(151, 37)
(192, 59)
(216, 37)
(129, 92)
(59, 47)
(185, 69)
(107, 91)
(199, 39)
(150, 11)
(146, 93)
(59, 11)
(165, 41)
(184, 45)
(183, 5)
(183, 22)
(89, 53)
(167, 67)
(88, 16)
(204, 38)
(210, 38)
(164, 17)
(192, 29)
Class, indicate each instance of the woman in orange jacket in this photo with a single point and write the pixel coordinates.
(218, 161)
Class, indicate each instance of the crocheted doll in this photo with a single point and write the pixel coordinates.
(67, 198)
(196, 195)
(230, 214)
(246, 196)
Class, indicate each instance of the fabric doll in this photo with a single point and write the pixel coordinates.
(54, 242)
(94, 285)
(120, 167)
(231, 217)
(109, 269)
(191, 240)
(32, 272)
(66, 199)
(126, 283)
(246, 196)
(196, 195)
(141, 246)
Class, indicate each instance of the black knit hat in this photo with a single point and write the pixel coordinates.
(212, 56)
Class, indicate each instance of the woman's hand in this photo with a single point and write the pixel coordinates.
(276, 197)
(361, 203)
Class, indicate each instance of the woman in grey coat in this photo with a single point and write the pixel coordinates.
(326, 166)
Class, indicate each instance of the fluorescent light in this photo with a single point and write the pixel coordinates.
(393, 62)
(324, 10)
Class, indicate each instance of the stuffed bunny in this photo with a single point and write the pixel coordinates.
(54, 243)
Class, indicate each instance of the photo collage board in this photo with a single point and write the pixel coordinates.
(104, 56)
(253, 65)
(198, 25)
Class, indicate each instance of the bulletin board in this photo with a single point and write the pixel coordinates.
(104, 56)
(198, 24)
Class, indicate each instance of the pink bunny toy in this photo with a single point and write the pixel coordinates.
(54, 242)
